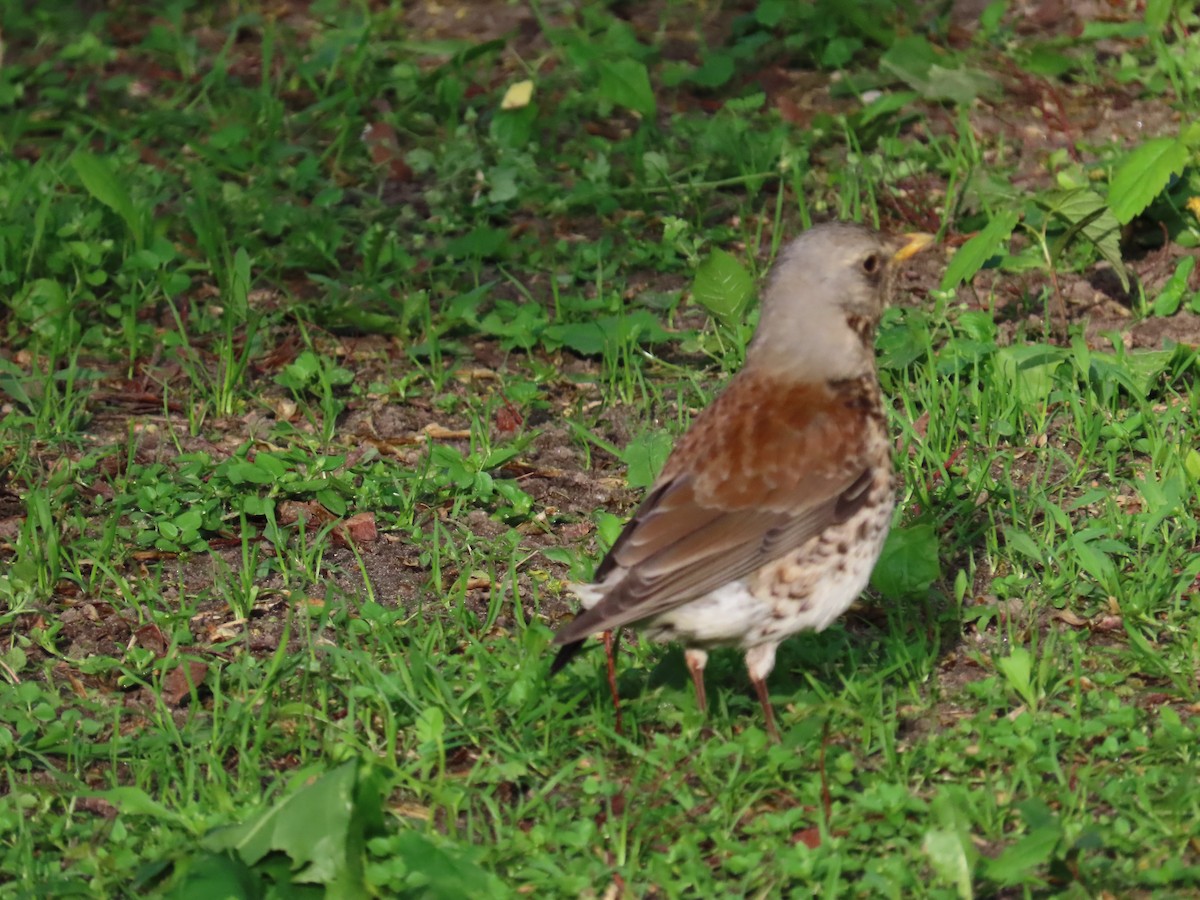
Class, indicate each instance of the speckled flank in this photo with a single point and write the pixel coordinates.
(805, 590)
(812, 586)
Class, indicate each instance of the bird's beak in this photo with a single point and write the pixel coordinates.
(909, 245)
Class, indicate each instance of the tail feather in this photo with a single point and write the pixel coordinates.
(565, 655)
(589, 595)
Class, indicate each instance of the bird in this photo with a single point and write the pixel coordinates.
(772, 509)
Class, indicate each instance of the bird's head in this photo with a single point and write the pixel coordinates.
(824, 297)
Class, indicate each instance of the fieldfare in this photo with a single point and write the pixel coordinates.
(772, 510)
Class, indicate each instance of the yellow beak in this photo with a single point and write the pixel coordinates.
(912, 244)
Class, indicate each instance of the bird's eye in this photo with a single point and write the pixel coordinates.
(871, 264)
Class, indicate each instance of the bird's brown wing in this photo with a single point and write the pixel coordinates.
(763, 470)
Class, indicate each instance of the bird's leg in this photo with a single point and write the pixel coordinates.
(760, 660)
(760, 686)
(696, 661)
(612, 640)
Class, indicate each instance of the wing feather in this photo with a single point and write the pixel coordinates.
(731, 499)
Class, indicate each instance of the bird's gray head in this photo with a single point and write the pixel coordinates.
(823, 300)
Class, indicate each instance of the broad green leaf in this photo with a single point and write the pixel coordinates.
(715, 71)
(242, 472)
(910, 59)
(1143, 175)
(101, 182)
(332, 501)
(483, 241)
(1028, 371)
(1171, 296)
(504, 184)
(839, 51)
(268, 468)
(430, 725)
(885, 105)
(585, 338)
(909, 562)
(902, 344)
(1189, 136)
(513, 128)
(638, 327)
(948, 857)
(43, 305)
(933, 73)
(516, 324)
(1191, 465)
(237, 299)
(1086, 213)
(1047, 61)
(606, 334)
(625, 82)
(979, 326)
(991, 17)
(656, 166)
(216, 875)
(645, 456)
(442, 875)
(971, 256)
(1020, 542)
(464, 308)
(1157, 13)
(1018, 861)
(1017, 669)
(132, 801)
(14, 658)
(1131, 30)
(723, 287)
(299, 373)
(190, 520)
(1094, 561)
(320, 827)
(608, 529)
(1145, 367)
(1043, 838)
(770, 12)
(959, 85)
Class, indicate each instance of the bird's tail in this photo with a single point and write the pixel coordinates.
(565, 655)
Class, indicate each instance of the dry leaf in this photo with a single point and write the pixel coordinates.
(1066, 615)
(518, 95)
(151, 638)
(508, 419)
(358, 529)
(384, 147)
(97, 806)
(440, 433)
(313, 514)
(178, 684)
(809, 837)
(575, 530)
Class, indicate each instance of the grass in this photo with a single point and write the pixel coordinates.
(332, 351)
